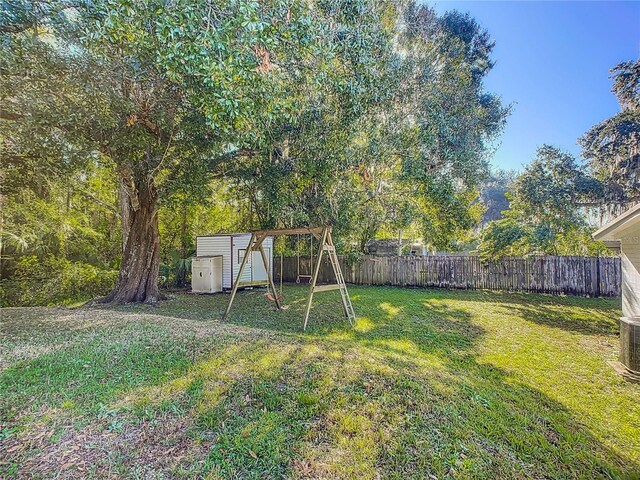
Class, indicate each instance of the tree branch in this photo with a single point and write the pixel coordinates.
(96, 200)
(4, 115)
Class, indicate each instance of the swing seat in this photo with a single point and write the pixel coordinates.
(272, 298)
(308, 277)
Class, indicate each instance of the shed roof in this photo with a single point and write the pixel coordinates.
(610, 230)
(223, 235)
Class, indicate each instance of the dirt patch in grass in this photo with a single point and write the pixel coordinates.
(27, 333)
(106, 449)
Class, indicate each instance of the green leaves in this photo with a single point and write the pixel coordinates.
(551, 189)
(611, 146)
(545, 214)
(399, 135)
(323, 112)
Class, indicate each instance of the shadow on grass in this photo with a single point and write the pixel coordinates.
(449, 414)
(334, 413)
(400, 396)
(591, 316)
(589, 320)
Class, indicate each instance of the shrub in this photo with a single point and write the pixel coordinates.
(54, 281)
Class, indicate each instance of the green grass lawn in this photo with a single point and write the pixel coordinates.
(429, 384)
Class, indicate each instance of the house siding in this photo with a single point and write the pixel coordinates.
(630, 246)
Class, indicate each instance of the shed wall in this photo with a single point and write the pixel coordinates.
(222, 245)
(217, 245)
(241, 242)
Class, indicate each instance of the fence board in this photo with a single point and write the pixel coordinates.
(572, 275)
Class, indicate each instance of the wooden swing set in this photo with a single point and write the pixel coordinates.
(323, 235)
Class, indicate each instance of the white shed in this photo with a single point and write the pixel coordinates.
(232, 247)
(623, 234)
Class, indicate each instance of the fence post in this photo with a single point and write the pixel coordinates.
(597, 292)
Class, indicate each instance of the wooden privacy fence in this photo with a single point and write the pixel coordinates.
(573, 275)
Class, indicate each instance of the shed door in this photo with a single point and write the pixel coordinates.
(257, 266)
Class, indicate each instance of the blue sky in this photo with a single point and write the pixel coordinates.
(552, 61)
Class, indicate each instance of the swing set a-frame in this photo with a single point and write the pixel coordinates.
(323, 235)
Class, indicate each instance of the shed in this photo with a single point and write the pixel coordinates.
(389, 247)
(384, 246)
(232, 247)
(623, 234)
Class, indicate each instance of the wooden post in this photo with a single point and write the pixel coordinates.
(597, 291)
(323, 239)
(268, 270)
(337, 275)
(247, 254)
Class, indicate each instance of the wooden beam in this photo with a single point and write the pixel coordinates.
(236, 284)
(267, 268)
(314, 279)
(326, 288)
(336, 273)
(260, 238)
(254, 283)
(291, 231)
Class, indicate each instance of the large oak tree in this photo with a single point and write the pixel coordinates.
(169, 93)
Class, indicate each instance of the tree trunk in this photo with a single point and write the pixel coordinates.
(181, 271)
(138, 277)
(124, 208)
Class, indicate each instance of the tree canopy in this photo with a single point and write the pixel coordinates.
(412, 152)
(612, 147)
(370, 116)
(546, 210)
(551, 200)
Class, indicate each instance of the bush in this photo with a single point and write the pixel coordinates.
(176, 272)
(54, 281)
(511, 237)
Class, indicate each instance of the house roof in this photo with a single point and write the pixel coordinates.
(621, 222)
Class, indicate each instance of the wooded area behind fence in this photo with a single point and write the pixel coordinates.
(573, 275)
